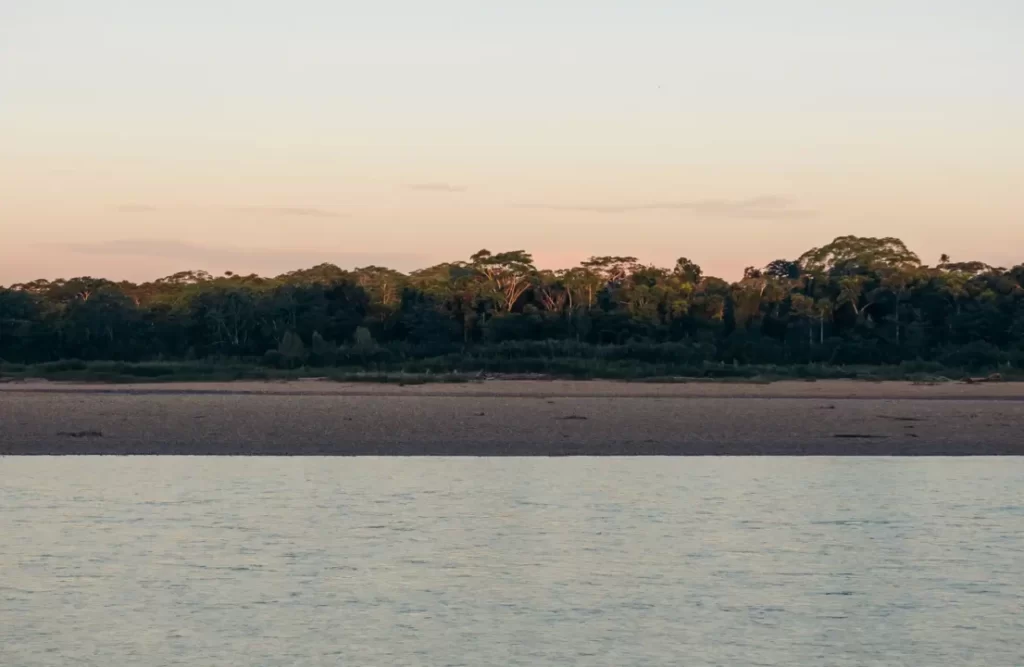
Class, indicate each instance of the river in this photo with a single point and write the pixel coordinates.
(159, 561)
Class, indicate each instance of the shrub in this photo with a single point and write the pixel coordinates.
(292, 351)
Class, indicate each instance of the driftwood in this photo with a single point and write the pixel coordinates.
(995, 377)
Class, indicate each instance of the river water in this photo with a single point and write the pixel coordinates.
(114, 562)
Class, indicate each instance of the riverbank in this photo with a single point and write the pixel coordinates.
(520, 418)
(461, 369)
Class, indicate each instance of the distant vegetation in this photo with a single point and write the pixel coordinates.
(856, 302)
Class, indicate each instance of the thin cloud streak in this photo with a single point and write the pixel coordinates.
(293, 211)
(436, 187)
(305, 211)
(135, 208)
(762, 208)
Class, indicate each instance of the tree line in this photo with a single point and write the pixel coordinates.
(853, 301)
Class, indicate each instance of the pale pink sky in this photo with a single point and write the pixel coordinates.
(140, 140)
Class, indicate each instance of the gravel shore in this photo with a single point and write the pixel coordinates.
(513, 418)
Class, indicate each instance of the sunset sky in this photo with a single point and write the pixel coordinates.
(139, 138)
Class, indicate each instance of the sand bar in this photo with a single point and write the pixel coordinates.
(525, 418)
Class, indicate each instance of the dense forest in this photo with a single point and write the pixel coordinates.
(868, 301)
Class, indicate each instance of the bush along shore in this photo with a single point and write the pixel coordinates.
(476, 366)
(856, 307)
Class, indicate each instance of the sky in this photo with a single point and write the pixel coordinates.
(141, 137)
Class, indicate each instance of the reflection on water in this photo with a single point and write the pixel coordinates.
(232, 561)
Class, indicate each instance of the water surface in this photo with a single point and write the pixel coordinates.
(113, 562)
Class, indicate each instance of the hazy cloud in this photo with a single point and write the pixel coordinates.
(762, 208)
(436, 187)
(247, 259)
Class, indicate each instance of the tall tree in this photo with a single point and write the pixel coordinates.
(507, 274)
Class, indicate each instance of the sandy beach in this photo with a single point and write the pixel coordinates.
(513, 418)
